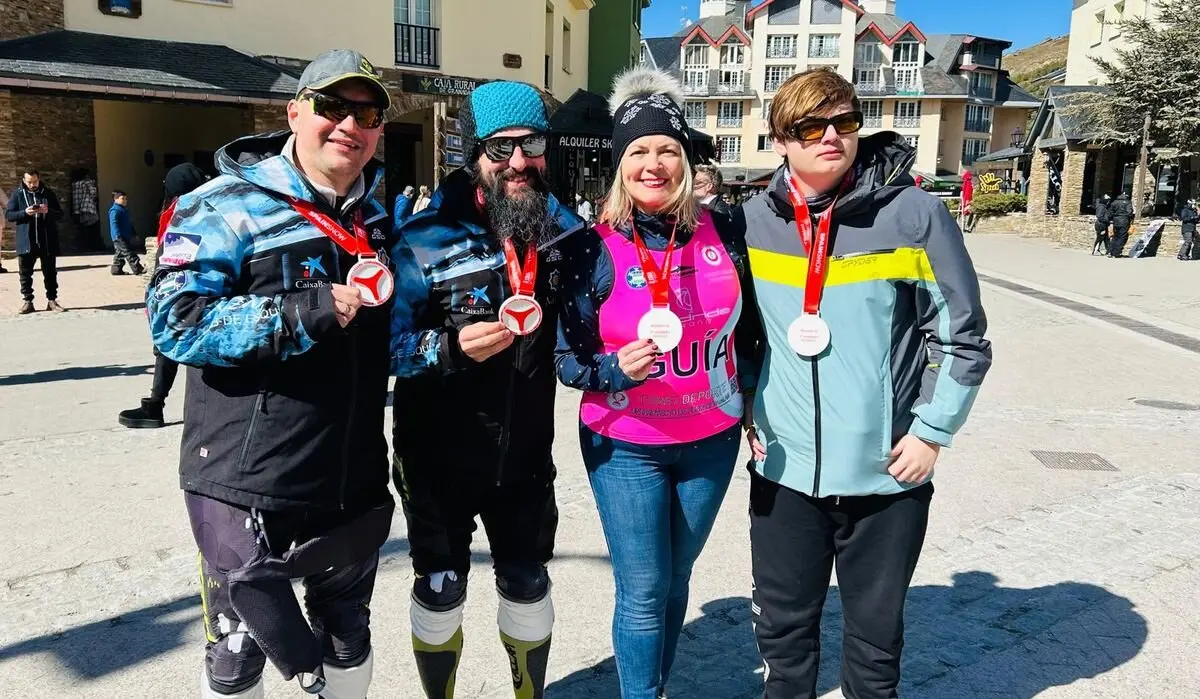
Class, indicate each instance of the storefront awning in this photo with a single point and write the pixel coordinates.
(583, 121)
(746, 176)
(102, 64)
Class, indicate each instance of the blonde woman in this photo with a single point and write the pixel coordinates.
(652, 332)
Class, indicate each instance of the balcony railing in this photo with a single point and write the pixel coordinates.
(735, 85)
(823, 51)
(716, 82)
(781, 51)
(873, 122)
(729, 122)
(980, 59)
(978, 126)
(873, 87)
(981, 91)
(417, 45)
(906, 122)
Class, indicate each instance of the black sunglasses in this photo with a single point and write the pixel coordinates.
(500, 148)
(367, 115)
(813, 128)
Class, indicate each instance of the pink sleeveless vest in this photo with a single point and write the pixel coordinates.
(692, 392)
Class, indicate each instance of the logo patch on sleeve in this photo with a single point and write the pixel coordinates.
(180, 249)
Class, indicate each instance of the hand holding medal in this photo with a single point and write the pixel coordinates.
(660, 324)
(521, 313)
(369, 275)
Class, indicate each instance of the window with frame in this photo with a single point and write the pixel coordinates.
(978, 118)
(131, 9)
(732, 81)
(729, 114)
(781, 46)
(912, 141)
(695, 113)
(418, 12)
(868, 79)
(908, 115)
(908, 80)
(981, 84)
(868, 54)
(973, 149)
(823, 45)
(764, 142)
(872, 114)
(776, 76)
(695, 67)
(566, 46)
(729, 149)
(826, 12)
(733, 55)
(906, 52)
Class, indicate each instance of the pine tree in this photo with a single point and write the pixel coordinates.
(1158, 72)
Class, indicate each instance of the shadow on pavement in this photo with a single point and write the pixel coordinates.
(74, 373)
(114, 644)
(110, 645)
(113, 307)
(961, 640)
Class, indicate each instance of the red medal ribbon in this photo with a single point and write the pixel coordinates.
(522, 279)
(356, 244)
(659, 280)
(818, 249)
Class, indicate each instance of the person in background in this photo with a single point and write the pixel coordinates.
(1188, 217)
(1103, 220)
(180, 180)
(120, 227)
(85, 207)
(34, 208)
(3, 223)
(875, 351)
(1121, 213)
(706, 187)
(660, 421)
(403, 206)
(422, 200)
(583, 208)
(968, 197)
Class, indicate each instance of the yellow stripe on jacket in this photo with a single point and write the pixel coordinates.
(903, 264)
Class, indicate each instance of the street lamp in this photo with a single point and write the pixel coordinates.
(1018, 137)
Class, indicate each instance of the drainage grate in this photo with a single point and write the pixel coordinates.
(1073, 461)
(1166, 404)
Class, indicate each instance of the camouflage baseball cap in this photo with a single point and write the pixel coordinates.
(334, 66)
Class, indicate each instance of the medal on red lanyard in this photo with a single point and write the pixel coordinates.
(369, 275)
(660, 323)
(521, 313)
(808, 335)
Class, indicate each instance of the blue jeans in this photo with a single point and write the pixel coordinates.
(657, 506)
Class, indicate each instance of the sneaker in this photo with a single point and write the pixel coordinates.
(116, 271)
(139, 271)
(149, 416)
(26, 307)
(52, 305)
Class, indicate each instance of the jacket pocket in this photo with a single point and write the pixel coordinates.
(252, 424)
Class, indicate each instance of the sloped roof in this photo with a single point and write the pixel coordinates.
(1010, 94)
(80, 58)
(665, 51)
(887, 27)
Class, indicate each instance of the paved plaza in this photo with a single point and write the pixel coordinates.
(1063, 555)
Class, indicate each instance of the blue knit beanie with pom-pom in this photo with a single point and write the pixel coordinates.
(496, 106)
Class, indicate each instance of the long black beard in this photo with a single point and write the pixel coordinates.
(525, 217)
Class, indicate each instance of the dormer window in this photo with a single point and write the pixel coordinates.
(906, 52)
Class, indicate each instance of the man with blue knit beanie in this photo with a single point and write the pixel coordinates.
(473, 329)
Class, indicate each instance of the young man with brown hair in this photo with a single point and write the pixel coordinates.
(875, 352)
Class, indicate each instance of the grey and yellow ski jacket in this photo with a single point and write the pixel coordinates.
(908, 351)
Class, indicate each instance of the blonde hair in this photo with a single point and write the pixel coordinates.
(618, 204)
(808, 94)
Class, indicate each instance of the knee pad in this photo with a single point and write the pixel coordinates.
(255, 691)
(526, 621)
(437, 606)
(524, 583)
(348, 682)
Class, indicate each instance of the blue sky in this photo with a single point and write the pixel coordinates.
(1023, 22)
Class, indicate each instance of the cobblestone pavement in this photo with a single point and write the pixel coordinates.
(1035, 581)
